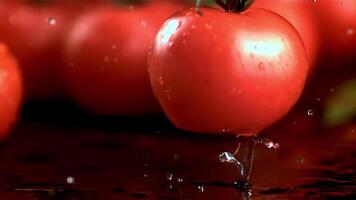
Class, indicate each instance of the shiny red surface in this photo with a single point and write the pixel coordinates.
(227, 72)
(302, 16)
(10, 91)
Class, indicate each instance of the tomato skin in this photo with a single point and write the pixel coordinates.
(106, 59)
(227, 72)
(33, 35)
(302, 16)
(10, 91)
(338, 25)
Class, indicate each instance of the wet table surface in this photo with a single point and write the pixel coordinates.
(58, 152)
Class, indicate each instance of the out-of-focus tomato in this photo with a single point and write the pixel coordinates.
(106, 58)
(227, 72)
(10, 91)
(33, 34)
(302, 16)
(338, 28)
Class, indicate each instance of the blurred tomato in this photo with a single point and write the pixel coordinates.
(106, 55)
(300, 14)
(338, 26)
(10, 90)
(227, 72)
(33, 35)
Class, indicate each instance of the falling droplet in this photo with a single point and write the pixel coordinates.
(169, 176)
(52, 21)
(310, 112)
(70, 180)
(201, 188)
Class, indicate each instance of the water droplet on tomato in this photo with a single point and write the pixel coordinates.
(143, 23)
(51, 21)
(106, 59)
(350, 31)
(310, 112)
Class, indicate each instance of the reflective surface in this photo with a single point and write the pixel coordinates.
(58, 152)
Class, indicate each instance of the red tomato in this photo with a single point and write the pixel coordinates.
(106, 57)
(338, 25)
(302, 16)
(10, 91)
(227, 72)
(34, 36)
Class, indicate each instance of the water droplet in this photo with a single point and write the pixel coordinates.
(180, 180)
(12, 19)
(52, 21)
(300, 160)
(169, 176)
(314, 1)
(310, 112)
(131, 8)
(208, 26)
(294, 122)
(194, 26)
(145, 175)
(143, 23)
(332, 89)
(318, 99)
(176, 156)
(171, 187)
(106, 59)
(201, 188)
(70, 180)
(350, 31)
(114, 47)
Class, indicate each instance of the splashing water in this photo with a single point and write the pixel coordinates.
(242, 158)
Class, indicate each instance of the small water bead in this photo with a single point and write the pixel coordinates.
(114, 47)
(143, 23)
(180, 180)
(145, 175)
(310, 112)
(350, 31)
(176, 156)
(314, 1)
(169, 176)
(106, 59)
(70, 180)
(51, 21)
(318, 99)
(201, 188)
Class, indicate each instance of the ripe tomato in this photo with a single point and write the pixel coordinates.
(338, 25)
(227, 72)
(106, 57)
(33, 35)
(10, 91)
(302, 17)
